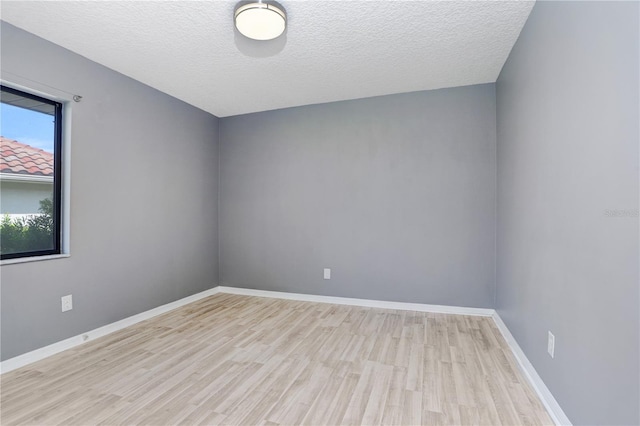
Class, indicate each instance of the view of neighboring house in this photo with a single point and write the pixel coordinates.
(26, 176)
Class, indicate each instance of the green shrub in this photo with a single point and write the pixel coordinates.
(28, 234)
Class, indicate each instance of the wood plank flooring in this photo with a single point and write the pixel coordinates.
(241, 360)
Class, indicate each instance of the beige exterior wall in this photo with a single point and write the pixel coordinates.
(23, 197)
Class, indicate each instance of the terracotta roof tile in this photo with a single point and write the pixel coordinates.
(20, 158)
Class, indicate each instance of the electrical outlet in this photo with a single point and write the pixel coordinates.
(327, 273)
(67, 303)
(551, 344)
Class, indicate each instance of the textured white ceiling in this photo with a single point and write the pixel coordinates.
(332, 50)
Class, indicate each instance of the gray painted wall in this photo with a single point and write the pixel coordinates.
(567, 152)
(143, 202)
(395, 194)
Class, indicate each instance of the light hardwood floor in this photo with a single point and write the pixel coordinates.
(243, 360)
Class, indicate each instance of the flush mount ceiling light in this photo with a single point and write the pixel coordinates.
(260, 20)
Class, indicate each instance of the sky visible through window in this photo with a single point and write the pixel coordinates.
(26, 126)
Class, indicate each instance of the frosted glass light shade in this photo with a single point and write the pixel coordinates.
(260, 21)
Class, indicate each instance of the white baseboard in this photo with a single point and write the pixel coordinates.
(402, 306)
(557, 415)
(63, 345)
(550, 403)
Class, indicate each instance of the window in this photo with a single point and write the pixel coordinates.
(30, 174)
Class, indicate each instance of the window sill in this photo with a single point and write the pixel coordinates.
(33, 259)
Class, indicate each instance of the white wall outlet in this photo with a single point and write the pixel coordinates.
(327, 273)
(67, 303)
(551, 344)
